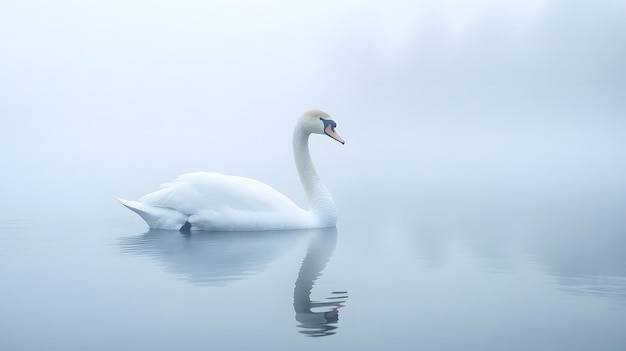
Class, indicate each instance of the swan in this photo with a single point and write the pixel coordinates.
(211, 201)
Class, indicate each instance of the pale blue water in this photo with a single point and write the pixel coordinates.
(539, 271)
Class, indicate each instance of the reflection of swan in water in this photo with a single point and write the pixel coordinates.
(208, 259)
(317, 323)
(215, 258)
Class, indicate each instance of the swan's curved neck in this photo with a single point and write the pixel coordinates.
(321, 203)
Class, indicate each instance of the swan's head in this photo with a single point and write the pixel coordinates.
(319, 122)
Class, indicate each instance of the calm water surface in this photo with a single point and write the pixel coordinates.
(539, 271)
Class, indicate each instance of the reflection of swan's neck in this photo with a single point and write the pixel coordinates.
(321, 203)
(316, 317)
(318, 254)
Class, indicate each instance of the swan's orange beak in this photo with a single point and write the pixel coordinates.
(330, 131)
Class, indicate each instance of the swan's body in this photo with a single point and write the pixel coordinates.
(217, 202)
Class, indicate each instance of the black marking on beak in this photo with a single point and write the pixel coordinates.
(328, 122)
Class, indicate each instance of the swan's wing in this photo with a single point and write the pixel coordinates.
(197, 192)
(156, 216)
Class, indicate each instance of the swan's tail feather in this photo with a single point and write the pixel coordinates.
(157, 217)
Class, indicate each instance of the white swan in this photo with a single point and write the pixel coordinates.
(217, 202)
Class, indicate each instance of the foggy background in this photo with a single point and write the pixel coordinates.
(434, 98)
(480, 191)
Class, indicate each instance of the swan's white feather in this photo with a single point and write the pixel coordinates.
(214, 201)
(215, 190)
(157, 217)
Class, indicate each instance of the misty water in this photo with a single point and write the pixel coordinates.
(481, 190)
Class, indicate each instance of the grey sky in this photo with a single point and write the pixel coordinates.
(82, 61)
(122, 95)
